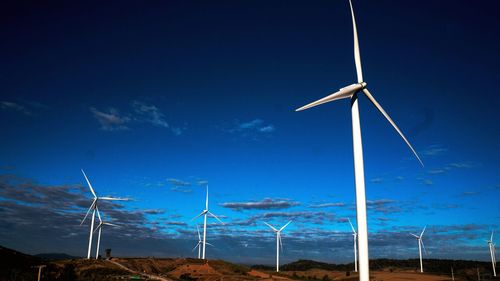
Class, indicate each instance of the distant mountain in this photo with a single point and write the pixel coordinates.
(55, 256)
(16, 265)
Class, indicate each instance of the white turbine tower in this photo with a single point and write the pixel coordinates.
(99, 227)
(491, 245)
(92, 208)
(351, 92)
(420, 246)
(278, 243)
(205, 213)
(355, 237)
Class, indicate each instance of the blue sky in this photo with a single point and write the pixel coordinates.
(156, 100)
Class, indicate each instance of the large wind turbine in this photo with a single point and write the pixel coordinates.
(278, 243)
(491, 245)
(92, 208)
(99, 227)
(355, 237)
(205, 213)
(351, 92)
(420, 246)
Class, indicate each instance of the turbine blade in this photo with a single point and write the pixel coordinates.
(281, 243)
(357, 57)
(272, 227)
(198, 229)
(88, 211)
(110, 224)
(343, 93)
(415, 235)
(88, 182)
(423, 246)
(422, 234)
(98, 227)
(379, 107)
(209, 244)
(201, 214)
(491, 239)
(283, 227)
(352, 227)
(215, 217)
(206, 202)
(197, 245)
(98, 214)
(114, 199)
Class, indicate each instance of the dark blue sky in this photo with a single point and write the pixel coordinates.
(153, 99)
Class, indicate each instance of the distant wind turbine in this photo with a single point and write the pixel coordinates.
(351, 92)
(355, 237)
(491, 245)
(279, 244)
(205, 213)
(420, 246)
(99, 227)
(92, 208)
(200, 242)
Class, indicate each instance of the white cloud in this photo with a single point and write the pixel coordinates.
(149, 113)
(7, 105)
(110, 120)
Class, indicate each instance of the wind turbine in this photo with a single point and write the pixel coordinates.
(278, 243)
(420, 246)
(205, 213)
(93, 208)
(355, 236)
(200, 242)
(491, 245)
(351, 92)
(99, 227)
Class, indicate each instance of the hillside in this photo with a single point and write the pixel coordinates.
(16, 266)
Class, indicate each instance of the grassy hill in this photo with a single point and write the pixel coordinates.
(16, 266)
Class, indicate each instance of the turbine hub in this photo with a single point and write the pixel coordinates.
(363, 85)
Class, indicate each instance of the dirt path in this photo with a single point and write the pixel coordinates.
(150, 276)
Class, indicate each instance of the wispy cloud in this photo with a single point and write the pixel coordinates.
(178, 182)
(436, 171)
(179, 185)
(253, 129)
(149, 113)
(8, 105)
(326, 205)
(384, 206)
(434, 150)
(110, 120)
(265, 204)
(377, 180)
(425, 181)
(154, 212)
(181, 189)
(267, 129)
(469, 193)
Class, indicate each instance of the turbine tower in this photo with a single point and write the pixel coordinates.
(205, 213)
(420, 246)
(351, 92)
(491, 245)
(93, 208)
(278, 243)
(99, 227)
(355, 237)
